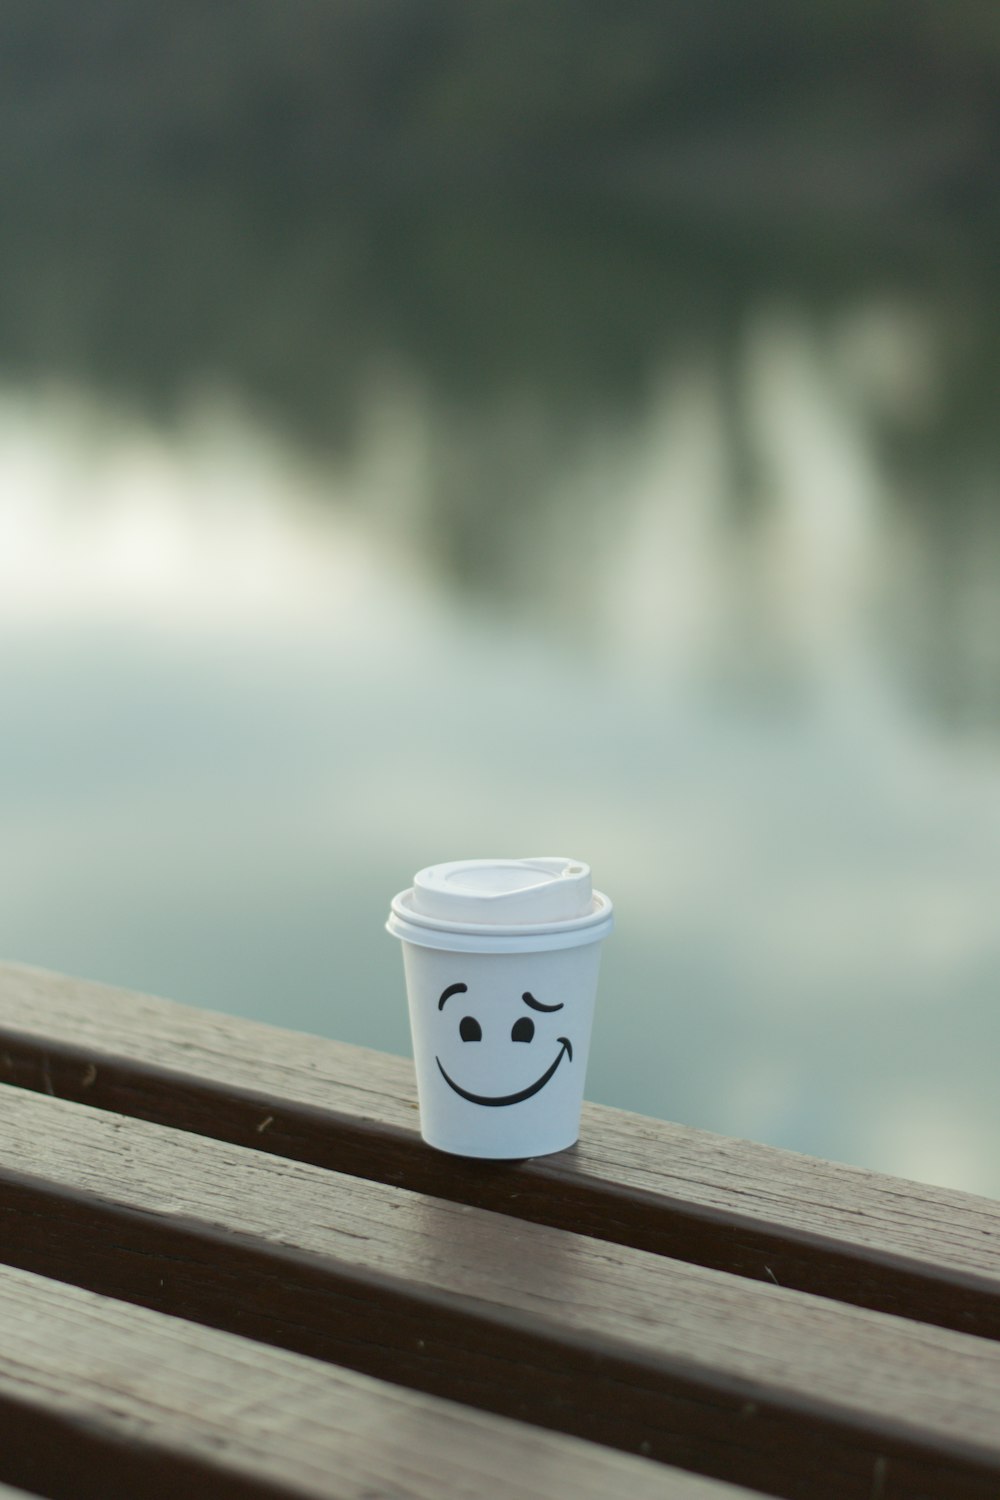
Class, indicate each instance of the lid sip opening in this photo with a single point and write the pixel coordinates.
(505, 892)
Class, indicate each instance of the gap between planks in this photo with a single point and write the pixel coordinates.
(99, 1399)
(788, 1393)
(765, 1214)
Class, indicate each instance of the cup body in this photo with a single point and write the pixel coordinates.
(501, 1041)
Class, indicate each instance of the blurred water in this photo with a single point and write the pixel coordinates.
(736, 663)
(437, 430)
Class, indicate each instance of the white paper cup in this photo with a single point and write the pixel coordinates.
(501, 1006)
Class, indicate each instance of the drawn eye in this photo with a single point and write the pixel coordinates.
(523, 1030)
(470, 1030)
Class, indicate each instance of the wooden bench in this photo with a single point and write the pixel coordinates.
(230, 1267)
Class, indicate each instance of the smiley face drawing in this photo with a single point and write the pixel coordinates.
(523, 1030)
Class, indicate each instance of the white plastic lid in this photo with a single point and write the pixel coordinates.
(504, 892)
(501, 906)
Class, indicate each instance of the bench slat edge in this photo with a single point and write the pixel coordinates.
(893, 1246)
(786, 1392)
(99, 1398)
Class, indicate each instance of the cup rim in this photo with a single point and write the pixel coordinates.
(486, 937)
(600, 908)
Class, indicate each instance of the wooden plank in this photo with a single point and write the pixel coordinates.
(841, 1232)
(98, 1399)
(784, 1392)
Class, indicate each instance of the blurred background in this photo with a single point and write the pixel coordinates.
(431, 430)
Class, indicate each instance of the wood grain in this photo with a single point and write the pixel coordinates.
(101, 1400)
(921, 1252)
(784, 1392)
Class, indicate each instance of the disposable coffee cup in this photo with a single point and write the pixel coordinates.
(501, 959)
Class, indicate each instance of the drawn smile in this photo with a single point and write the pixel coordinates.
(496, 1101)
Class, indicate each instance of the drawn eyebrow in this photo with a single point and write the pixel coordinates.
(529, 999)
(453, 989)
